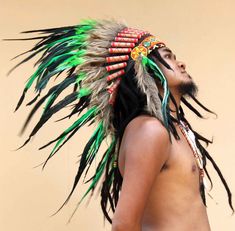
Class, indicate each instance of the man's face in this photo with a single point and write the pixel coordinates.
(177, 77)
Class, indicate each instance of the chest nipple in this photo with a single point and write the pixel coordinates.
(194, 168)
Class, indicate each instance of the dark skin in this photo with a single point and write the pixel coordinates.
(160, 179)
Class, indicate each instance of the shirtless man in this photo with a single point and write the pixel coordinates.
(160, 190)
(129, 85)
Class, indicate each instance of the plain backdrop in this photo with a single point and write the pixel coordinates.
(201, 33)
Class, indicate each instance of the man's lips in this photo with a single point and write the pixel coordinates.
(185, 72)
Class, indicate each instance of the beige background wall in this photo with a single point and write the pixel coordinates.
(200, 32)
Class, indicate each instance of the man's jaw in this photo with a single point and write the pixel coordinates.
(188, 88)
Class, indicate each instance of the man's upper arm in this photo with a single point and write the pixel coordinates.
(146, 148)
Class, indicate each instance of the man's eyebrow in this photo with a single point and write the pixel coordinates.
(167, 50)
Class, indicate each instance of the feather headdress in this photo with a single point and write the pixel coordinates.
(94, 55)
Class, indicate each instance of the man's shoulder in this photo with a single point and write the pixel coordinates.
(145, 137)
(147, 125)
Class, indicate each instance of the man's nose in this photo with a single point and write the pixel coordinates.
(182, 65)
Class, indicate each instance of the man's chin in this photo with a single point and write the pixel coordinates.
(188, 88)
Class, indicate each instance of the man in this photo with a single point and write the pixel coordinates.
(130, 86)
(165, 195)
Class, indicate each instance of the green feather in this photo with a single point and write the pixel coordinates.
(80, 77)
(98, 174)
(78, 123)
(86, 25)
(67, 43)
(84, 92)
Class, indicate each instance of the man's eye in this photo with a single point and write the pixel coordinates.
(168, 56)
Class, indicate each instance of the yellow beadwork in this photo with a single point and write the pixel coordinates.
(146, 46)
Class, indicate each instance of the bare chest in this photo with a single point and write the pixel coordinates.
(176, 189)
(181, 160)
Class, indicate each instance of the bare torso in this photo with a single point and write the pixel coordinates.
(174, 202)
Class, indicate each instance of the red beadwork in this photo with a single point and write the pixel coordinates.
(139, 32)
(121, 44)
(201, 170)
(122, 39)
(113, 98)
(116, 66)
(114, 86)
(115, 75)
(130, 35)
(119, 50)
(119, 58)
(132, 30)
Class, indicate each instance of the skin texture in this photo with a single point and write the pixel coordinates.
(160, 178)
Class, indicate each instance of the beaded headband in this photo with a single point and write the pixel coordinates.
(146, 46)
